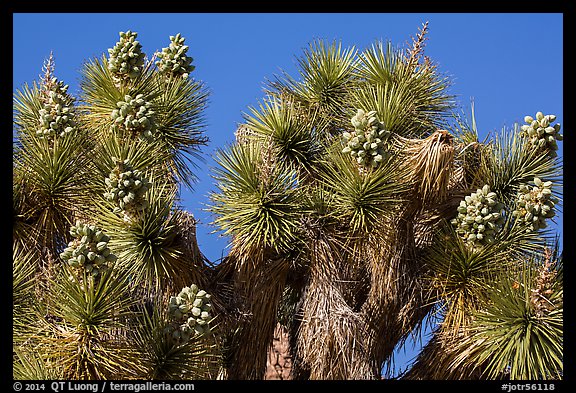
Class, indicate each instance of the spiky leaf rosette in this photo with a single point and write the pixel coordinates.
(84, 337)
(160, 357)
(541, 134)
(89, 250)
(189, 314)
(56, 117)
(519, 333)
(480, 217)
(126, 186)
(24, 264)
(57, 178)
(134, 116)
(414, 92)
(180, 106)
(362, 198)
(126, 58)
(293, 131)
(257, 203)
(367, 142)
(326, 73)
(534, 205)
(27, 106)
(510, 161)
(148, 246)
(173, 59)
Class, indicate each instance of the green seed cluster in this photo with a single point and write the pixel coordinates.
(366, 143)
(126, 57)
(135, 116)
(541, 133)
(534, 205)
(126, 187)
(189, 313)
(173, 59)
(57, 114)
(480, 217)
(89, 249)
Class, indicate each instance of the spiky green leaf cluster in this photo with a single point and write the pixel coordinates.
(541, 133)
(89, 250)
(257, 202)
(173, 59)
(135, 116)
(534, 205)
(56, 117)
(126, 187)
(126, 57)
(519, 333)
(366, 143)
(189, 313)
(480, 217)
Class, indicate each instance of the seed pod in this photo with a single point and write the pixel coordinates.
(197, 303)
(101, 246)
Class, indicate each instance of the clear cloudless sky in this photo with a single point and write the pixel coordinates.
(510, 64)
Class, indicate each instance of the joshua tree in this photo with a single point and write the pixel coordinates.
(108, 279)
(357, 204)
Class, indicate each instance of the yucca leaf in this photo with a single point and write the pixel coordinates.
(512, 333)
(326, 76)
(512, 163)
(181, 125)
(58, 182)
(363, 199)
(257, 210)
(292, 130)
(160, 358)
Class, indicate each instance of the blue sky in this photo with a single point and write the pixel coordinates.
(510, 64)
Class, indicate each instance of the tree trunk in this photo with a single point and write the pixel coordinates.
(279, 363)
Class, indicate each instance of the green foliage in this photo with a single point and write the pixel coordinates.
(292, 133)
(257, 202)
(361, 199)
(352, 213)
(520, 331)
(74, 316)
